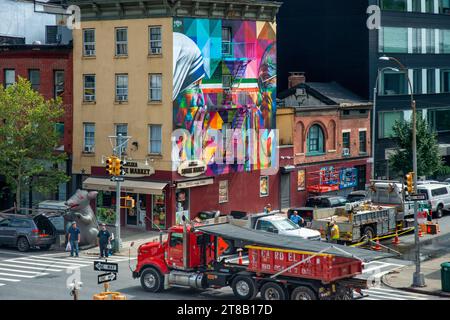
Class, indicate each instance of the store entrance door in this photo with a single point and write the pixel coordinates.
(361, 172)
(285, 189)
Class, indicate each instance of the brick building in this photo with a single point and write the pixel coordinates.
(325, 137)
(49, 69)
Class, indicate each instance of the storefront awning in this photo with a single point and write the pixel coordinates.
(129, 186)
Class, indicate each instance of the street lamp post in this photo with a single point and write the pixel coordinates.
(374, 112)
(418, 277)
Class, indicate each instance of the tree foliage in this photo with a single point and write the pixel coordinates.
(28, 139)
(429, 160)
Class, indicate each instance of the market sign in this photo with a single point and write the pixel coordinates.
(195, 183)
(191, 168)
(137, 170)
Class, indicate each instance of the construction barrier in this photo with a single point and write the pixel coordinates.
(109, 296)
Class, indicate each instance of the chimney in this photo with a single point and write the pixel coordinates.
(296, 78)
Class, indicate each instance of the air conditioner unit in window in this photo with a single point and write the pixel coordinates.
(89, 52)
(155, 50)
(346, 152)
(89, 149)
(89, 98)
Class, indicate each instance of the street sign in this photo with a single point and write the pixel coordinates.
(106, 266)
(115, 179)
(106, 277)
(415, 197)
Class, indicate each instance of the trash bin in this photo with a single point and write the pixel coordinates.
(445, 276)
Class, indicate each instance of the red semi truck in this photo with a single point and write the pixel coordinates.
(279, 267)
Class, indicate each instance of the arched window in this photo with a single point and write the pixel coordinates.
(315, 141)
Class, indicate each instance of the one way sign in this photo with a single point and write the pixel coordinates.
(106, 266)
(106, 277)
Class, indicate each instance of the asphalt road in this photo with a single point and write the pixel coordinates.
(37, 275)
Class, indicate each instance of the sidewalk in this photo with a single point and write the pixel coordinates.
(431, 269)
(128, 236)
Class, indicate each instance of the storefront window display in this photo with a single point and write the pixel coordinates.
(106, 211)
(182, 205)
(159, 211)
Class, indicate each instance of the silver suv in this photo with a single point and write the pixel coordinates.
(438, 197)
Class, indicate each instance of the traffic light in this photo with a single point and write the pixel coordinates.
(129, 202)
(110, 165)
(409, 178)
(118, 171)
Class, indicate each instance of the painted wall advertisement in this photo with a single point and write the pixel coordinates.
(301, 185)
(348, 178)
(264, 186)
(224, 80)
(223, 191)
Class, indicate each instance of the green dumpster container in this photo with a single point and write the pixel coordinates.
(445, 276)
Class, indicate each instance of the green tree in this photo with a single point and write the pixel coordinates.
(429, 160)
(28, 138)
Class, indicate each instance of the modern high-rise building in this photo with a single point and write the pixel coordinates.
(159, 72)
(333, 41)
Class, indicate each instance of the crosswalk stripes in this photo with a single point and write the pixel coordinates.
(382, 293)
(16, 269)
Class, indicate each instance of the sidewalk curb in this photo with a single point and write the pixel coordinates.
(414, 290)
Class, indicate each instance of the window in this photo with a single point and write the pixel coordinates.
(121, 130)
(89, 87)
(155, 87)
(227, 81)
(445, 80)
(363, 141)
(155, 139)
(444, 41)
(444, 6)
(416, 5)
(226, 41)
(439, 192)
(417, 81)
(155, 42)
(387, 121)
(417, 40)
(121, 87)
(430, 41)
(393, 40)
(89, 42)
(10, 77)
(89, 137)
(397, 5)
(393, 83)
(429, 6)
(264, 225)
(35, 78)
(121, 41)
(431, 81)
(439, 119)
(315, 141)
(59, 127)
(346, 140)
(58, 82)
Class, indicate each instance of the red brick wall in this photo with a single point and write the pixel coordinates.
(47, 61)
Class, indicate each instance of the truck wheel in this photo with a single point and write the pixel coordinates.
(369, 233)
(231, 248)
(22, 244)
(273, 291)
(151, 280)
(244, 288)
(439, 212)
(303, 293)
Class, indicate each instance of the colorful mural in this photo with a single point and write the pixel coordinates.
(224, 78)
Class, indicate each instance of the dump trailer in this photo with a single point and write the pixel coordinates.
(279, 267)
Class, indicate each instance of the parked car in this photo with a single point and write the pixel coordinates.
(358, 195)
(326, 202)
(438, 197)
(26, 231)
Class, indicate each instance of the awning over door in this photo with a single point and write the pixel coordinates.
(129, 186)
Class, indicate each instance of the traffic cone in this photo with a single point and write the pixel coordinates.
(240, 256)
(396, 239)
(377, 247)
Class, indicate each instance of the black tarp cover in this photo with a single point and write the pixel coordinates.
(261, 238)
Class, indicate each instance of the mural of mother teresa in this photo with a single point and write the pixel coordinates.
(199, 98)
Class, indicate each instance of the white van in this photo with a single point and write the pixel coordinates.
(438, 196)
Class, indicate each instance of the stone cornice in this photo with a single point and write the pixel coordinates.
(135, 9)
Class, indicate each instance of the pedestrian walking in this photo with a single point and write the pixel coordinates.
(74, 236)
(104, 239)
